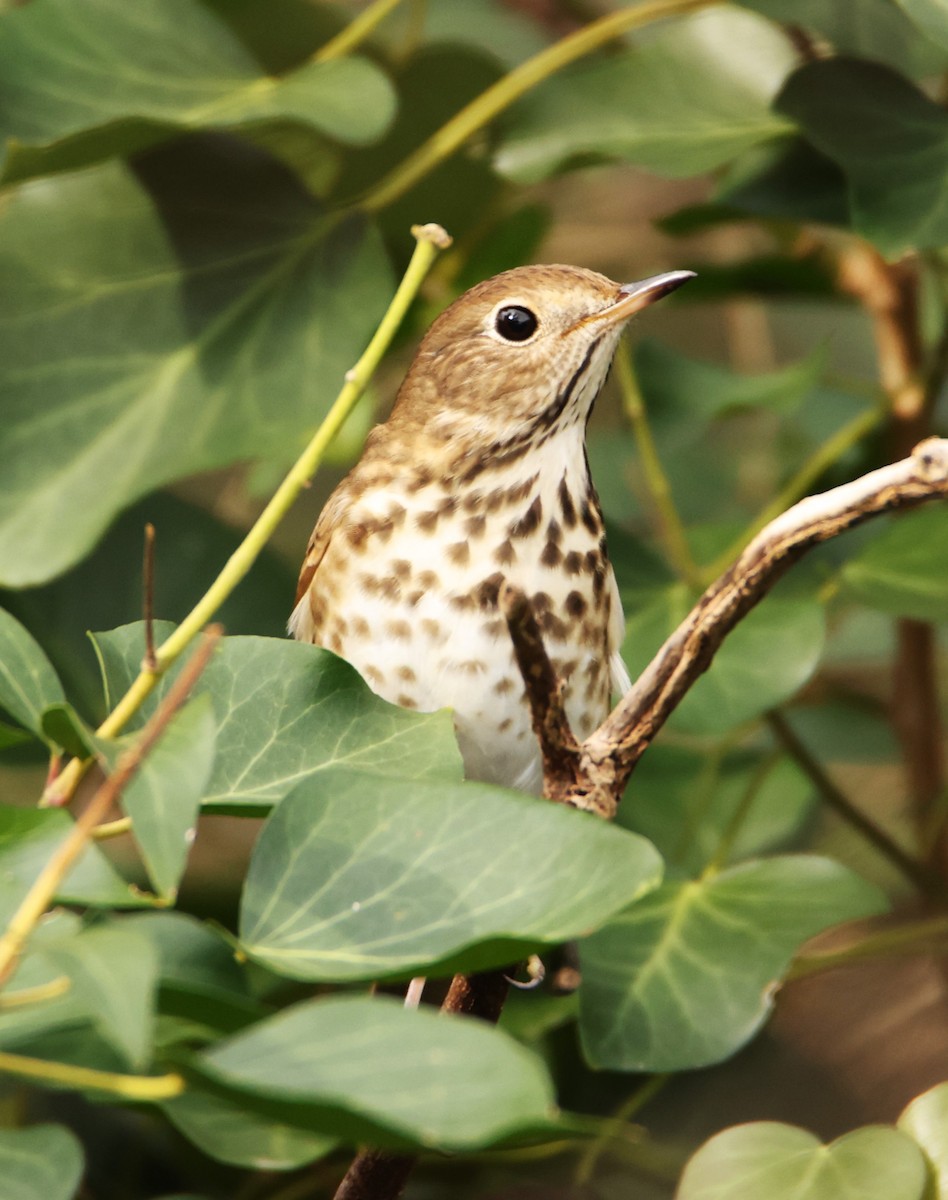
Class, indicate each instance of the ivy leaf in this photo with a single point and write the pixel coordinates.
(926, 1120)
(471, 1085)
(152, 349)
(902, 569)
(685, 976)
(784, 1162)
(285, 711)
(358, 878)
(678, 102)
(41, 1163)
(890, 139)
(28, 683)
(78, 85)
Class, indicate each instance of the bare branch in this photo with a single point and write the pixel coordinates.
(148, 597)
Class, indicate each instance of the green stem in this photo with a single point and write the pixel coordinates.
(39, 994)
(915, 937)
(356, 31)
(816, 465)
(482, 110)
(671, 531)
(129, 1087)
(430, 240)
(615, 1125)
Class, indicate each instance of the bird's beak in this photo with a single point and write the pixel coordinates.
(633, 297)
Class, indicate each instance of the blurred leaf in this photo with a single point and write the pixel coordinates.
(114, 974)
(414, 875)
(29, 836)
(791, 181)
(770, 275)
(490, 27)
(105, 80)
(41, 1163)
(765, 660)
(64, 727)
(844, 730)
(105, 590)
(686, 975)
(931, 16)
(902, 570)
(784, 1162)
(678, 102)
(286, 711)
(226, 1131)
(470, 1084)
(890, 139)
(281, 34)
(164, 797)
(685, 801)
(28, 683)
(140, 353)
(926, 1120)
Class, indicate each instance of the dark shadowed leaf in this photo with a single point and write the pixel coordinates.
(157, 349)
(81, 84)
(679, 102)
(28, 683)
(357, 878)
(685, 976)
(467, 1084)
(891, 141)
(41, 1163)
(784, 1162)
(285, 711)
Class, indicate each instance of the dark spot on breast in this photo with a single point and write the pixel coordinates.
(459, 553)
(553, 531)
(551, 555)
(567, 507)
(575, 604)
(590, 517)
(485, 594)
(356, 536)
(505, 554)
(427, 522)
(529, 522)
(400, 630)
(573, 563)
(541, 602)
(401, 567)
(474, 526)
(404, 701)
(428, 579)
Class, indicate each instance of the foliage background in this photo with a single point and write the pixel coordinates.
(203, 218)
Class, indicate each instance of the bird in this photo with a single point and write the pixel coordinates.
(480, 476)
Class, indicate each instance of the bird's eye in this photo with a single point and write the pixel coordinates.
(515, 323)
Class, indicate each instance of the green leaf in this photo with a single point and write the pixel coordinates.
(63, 726)
(231, 1134)
(684, 802)
(784, 1162)
(767, 658)
(685, 976)
(890, 139)
(679, 102)
(162, 347)
(357, 878)
(114, 974)
(29, 836)
(285, 711)
(28, 683)
(41, 1163)
(468, 1084)
(931, 16)
(902, 569)
(926, 1120)
(164, 797)
(81, 85)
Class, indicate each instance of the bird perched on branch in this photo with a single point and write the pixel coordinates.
(479, 476)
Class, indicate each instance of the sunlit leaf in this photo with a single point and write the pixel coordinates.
(926, 1120)
(685, 976)
(679, 102)
(139, 350)
(468, 1084)
(784, 1162)
(357, 878)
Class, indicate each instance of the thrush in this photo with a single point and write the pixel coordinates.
(480, 475)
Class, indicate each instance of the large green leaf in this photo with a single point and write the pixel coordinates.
(376, 1069)
(902, 570)
(79, 84)
(28, 838)
(890, 139)
(930, 16)
(28, 683)
(229, 1132)
(784, 1162)
(686, 975)
(679, 102)
(136, 352)
(41, 1163)
(356, 878)
(926, 1120)
(285, 711)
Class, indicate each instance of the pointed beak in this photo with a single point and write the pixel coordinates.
(633, 297)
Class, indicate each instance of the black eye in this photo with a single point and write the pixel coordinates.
(515, 323)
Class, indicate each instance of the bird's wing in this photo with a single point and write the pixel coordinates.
(300, 623)
(615, 635)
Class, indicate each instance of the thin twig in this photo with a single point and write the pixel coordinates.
(44, 889)
(356, 31)
(148, 597)
(128, 1087)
